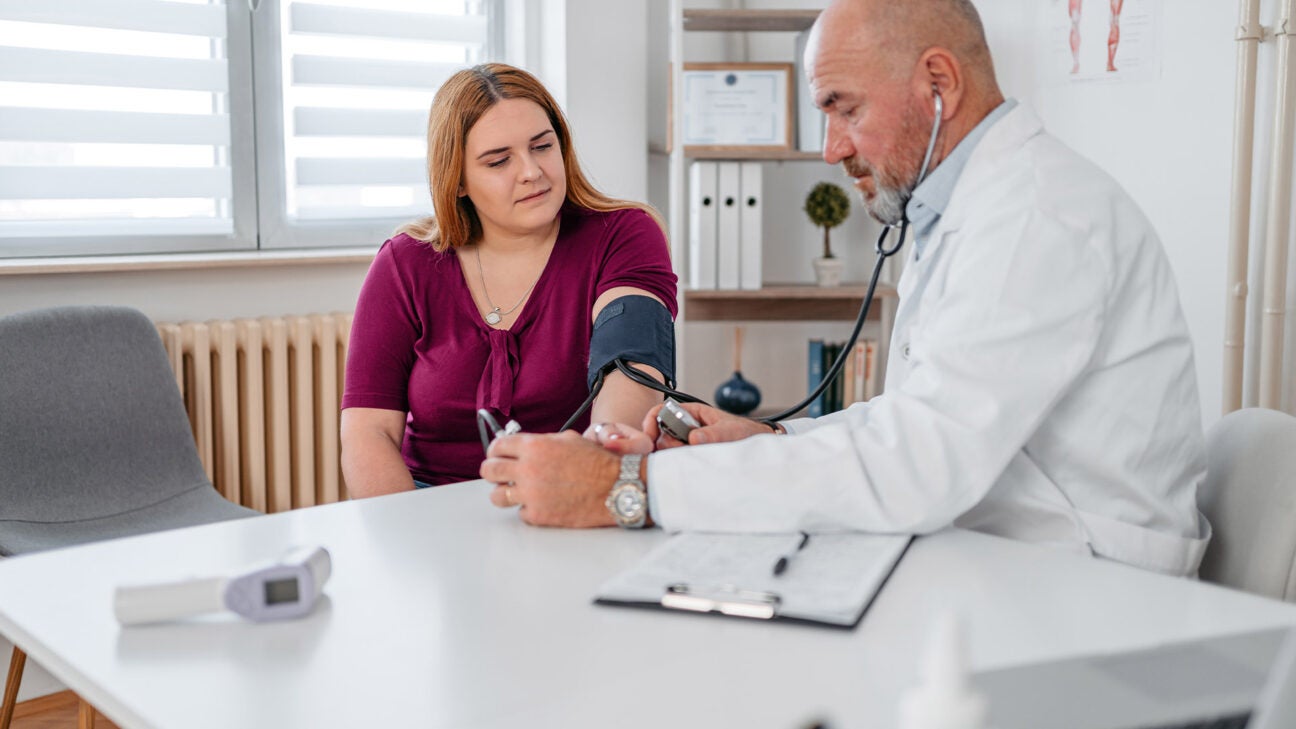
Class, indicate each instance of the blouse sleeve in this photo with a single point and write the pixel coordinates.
(637, 255)
(383, 333)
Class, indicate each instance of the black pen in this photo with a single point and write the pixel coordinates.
(782, 564)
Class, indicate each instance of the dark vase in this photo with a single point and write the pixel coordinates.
(737, 396)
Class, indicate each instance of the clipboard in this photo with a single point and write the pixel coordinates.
(831, 581)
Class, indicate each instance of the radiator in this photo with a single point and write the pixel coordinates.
(262, 396)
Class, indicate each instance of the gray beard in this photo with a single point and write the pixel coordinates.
(888, 204)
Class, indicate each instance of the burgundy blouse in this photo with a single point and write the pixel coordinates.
(419, 345)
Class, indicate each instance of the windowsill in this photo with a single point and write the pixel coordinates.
(184, 261)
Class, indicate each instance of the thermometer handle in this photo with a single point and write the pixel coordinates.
(138, 604)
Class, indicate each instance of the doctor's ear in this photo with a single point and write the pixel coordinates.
(941, 74)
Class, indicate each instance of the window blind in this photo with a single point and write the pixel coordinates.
(356, 78)
(114, 124)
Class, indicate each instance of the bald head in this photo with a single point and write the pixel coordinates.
(898, 31)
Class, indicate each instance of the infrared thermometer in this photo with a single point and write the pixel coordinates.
(286, 588)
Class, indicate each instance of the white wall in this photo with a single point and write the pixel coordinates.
(606, 76)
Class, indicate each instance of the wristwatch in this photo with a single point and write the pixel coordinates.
(628, 500)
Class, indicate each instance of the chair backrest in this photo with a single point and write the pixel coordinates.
(1250, 499)
(91, 420)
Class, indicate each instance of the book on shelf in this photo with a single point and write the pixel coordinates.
(837, 389)
(856, 382)
(849, 391)
(870, 385)
(833, 394)
(815, 371)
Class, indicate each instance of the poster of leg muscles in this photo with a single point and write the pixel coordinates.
(1104, 40)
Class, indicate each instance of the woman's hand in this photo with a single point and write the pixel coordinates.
(619, 439)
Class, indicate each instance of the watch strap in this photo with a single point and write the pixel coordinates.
(630, 468)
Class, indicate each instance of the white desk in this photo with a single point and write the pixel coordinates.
(445, 612)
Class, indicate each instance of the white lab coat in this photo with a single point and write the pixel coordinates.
(1040, 386)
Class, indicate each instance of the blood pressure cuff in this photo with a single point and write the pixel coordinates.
(636, 329)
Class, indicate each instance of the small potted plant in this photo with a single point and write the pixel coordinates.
(827, 205)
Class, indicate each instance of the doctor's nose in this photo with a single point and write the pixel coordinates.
(837, 144)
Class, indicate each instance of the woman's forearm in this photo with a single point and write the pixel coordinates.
(624, 401)
(371, 459)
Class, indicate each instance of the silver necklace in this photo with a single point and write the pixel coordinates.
(495, 316)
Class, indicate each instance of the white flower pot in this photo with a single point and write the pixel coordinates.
(828, 271)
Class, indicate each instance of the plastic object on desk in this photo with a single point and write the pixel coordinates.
(736, 395)
(286, 588)
(944, 698)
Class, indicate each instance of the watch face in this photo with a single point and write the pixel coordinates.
(629, 502)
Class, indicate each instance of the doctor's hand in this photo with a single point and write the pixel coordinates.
(557, 479)
(717, 427)
(619, 439)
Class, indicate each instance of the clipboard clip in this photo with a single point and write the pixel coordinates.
(724, 599)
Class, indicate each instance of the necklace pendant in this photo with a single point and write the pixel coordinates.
(493, 317)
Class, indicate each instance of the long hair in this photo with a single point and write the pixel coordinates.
(457, 106)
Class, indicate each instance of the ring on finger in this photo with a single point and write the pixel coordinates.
(508, 495)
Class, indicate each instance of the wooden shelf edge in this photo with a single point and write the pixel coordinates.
(792, 291)
(739, 153)
(777, 154)
(749, 20)
(785, 303)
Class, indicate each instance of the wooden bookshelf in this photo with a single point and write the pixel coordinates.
(749, 20)
(749, 154)
(790, 302)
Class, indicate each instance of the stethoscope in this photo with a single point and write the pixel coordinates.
(489, 428)
(883, 252)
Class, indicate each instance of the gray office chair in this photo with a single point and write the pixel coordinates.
(1250, 498)
(94, 440)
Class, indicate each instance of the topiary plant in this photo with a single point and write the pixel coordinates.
(827, 205)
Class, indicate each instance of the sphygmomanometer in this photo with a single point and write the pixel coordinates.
(631, 329)
(288, 587)
(635, 329)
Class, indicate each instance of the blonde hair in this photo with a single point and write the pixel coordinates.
(457, 106)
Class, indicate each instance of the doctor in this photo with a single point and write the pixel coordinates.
(1040, 384)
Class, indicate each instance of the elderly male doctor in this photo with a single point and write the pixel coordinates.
(1040, 384)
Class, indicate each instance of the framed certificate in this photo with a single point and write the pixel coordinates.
(734, 107)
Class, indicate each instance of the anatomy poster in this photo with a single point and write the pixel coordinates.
(1104, 40)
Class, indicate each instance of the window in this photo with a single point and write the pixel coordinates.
(133, 126)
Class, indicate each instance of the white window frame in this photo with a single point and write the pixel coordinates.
(258, 196)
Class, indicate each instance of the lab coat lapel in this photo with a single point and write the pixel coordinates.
(1010, 133)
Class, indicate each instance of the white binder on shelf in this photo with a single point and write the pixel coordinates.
(753, 207)
(702, 225)
(728, 224)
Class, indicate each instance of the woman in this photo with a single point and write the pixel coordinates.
(491, 303)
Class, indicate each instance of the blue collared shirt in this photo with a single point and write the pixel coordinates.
(930, 198)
